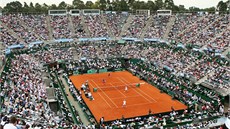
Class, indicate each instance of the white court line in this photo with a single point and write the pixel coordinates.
(106, 95)
(125, 97)
(115, 83)
(100, 79)
(137, 104)
(135, 91)
(119, 90)
(103, 98)
(140, 90)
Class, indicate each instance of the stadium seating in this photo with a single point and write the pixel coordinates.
(116, 22)
(13, 22)
(174, 66)
(158, 27)
(38, 24)
(60, 25)
(137, 24)
(96, 26)
(78, 28)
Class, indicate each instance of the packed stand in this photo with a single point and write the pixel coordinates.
(177, 61)
(220, 79)
(24, 91)
(54, 55)
(6, 38)
(95, 25)
(103, 64)
(60, 26)
(38, 25)
(78, 28)
(13, 22)
(201, 68)
(157, 27)
(116, 22)
(221, 41)
(207, 34)
(25, 79)
(196, 28)
(82, 66)
(136, 26)
(100, 49)
(182, 22)
(198, 107)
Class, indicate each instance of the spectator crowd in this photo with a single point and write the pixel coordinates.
(168, 66)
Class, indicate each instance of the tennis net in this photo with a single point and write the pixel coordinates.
(119, 87)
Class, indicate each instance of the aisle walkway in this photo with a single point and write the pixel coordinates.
(74, 103)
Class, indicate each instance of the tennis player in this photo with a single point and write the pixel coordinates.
(124, 103)
(104, 81)
(126, 89)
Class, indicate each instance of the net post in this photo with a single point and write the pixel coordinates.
(94, 89)
(138, 85)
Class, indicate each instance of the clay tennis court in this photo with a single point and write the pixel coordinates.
(108, 102)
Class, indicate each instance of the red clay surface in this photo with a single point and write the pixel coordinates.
(139, 101)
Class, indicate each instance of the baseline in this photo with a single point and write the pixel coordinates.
(125, 97)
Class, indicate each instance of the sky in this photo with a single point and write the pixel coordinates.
(187, 3)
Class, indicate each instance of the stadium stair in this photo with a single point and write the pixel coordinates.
(209, 85)
(100, 56)
(74, 103)
(146, 50)
(123, 49)
(148, 24)
(85, 26)
(49, 27)
(12, 32)
(126, 25)
(205, 78)
(2, 66)
(2, 47)
(169, 27)
(76, 55)
(106, 25)
(226, 51)
(71, 26)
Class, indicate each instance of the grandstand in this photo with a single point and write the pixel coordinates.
(184, 56)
